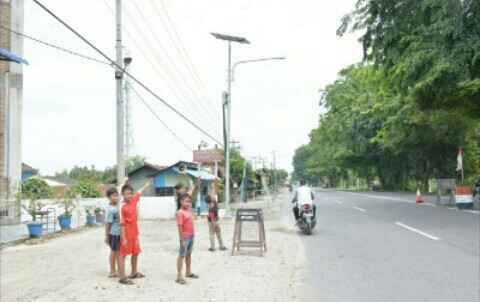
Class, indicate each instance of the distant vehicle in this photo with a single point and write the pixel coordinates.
(375, 185)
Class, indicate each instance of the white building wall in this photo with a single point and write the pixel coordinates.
(15, 101)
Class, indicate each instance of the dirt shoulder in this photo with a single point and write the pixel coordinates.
(74, 267)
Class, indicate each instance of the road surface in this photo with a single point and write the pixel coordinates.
(381, 247)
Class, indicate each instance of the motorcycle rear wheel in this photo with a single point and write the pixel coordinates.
(308, 229)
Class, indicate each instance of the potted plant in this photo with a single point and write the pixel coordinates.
(32, 190)
(99, 214)
(90, 211)
(65, 219)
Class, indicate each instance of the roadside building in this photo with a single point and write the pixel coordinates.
(139, 176)
(164, 178)
(28, 171)
(11, 103)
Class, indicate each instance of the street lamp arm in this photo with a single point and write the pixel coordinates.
(253, 61)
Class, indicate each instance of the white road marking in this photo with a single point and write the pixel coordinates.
(360, 209)
(337, 201)
(472, 211)
(417, 231)
(380, 197)
(411, 202)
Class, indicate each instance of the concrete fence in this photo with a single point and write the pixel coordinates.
(148, 208)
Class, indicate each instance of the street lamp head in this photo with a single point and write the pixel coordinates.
(230, 38)
(127, 61)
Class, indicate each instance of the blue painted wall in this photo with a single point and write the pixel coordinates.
(160, 182)
(26, 175)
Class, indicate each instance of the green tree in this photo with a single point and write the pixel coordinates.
(429, 52)
(85, 188)
(135, 162)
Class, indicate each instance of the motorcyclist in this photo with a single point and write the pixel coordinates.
(303, 195)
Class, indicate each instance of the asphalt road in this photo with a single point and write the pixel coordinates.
(383, 247)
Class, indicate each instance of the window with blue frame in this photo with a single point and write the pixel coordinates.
(165, 191)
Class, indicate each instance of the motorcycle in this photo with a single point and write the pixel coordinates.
(307, 222)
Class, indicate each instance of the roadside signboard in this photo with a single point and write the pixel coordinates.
(207, 156)
(249, 215)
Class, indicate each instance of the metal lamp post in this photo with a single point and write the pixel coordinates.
(240, 40)
(228, 98)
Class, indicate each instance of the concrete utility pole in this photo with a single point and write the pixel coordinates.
(128, 108)
(120, 104)
(274, 166)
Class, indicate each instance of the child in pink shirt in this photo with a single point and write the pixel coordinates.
(186, 232)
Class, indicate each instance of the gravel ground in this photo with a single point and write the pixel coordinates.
(73, 267)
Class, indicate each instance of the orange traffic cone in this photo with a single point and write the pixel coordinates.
(419, 198)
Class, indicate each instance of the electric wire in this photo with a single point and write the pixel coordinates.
(185, 58)
(54, 46)
(160, 120)
(124, 71)
(189, 93)
(146, 56)
(203, 119)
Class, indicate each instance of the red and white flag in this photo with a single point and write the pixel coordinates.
(460, 160)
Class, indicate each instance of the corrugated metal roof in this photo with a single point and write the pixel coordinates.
(8, 56)
(203, 174)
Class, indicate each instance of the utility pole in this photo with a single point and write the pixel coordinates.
(128, 108)
(120, 104)
(235, 143)
(274, 165)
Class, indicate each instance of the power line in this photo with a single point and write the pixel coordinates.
(97, 61)
(160, 120)
(184, 55)
(201, 109)
(55, 46)
(149, 46)
(169, 74)
(123, 70)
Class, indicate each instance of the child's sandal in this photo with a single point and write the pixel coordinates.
(125, 281)
(137, 276)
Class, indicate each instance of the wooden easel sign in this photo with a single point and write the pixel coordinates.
(249, 216)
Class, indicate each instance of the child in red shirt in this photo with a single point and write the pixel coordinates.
(186, 232)
(129, 244)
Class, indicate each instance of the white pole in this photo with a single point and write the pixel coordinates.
(199, 194)
(227, 147)
(120, 104)
(128, 112)
(216, 181)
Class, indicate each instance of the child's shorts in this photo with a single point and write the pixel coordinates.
(114, 242)
(188, 248)
(133, 247)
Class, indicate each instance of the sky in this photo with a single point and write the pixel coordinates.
(70, 103)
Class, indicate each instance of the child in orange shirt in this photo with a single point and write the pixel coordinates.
(129, 243)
